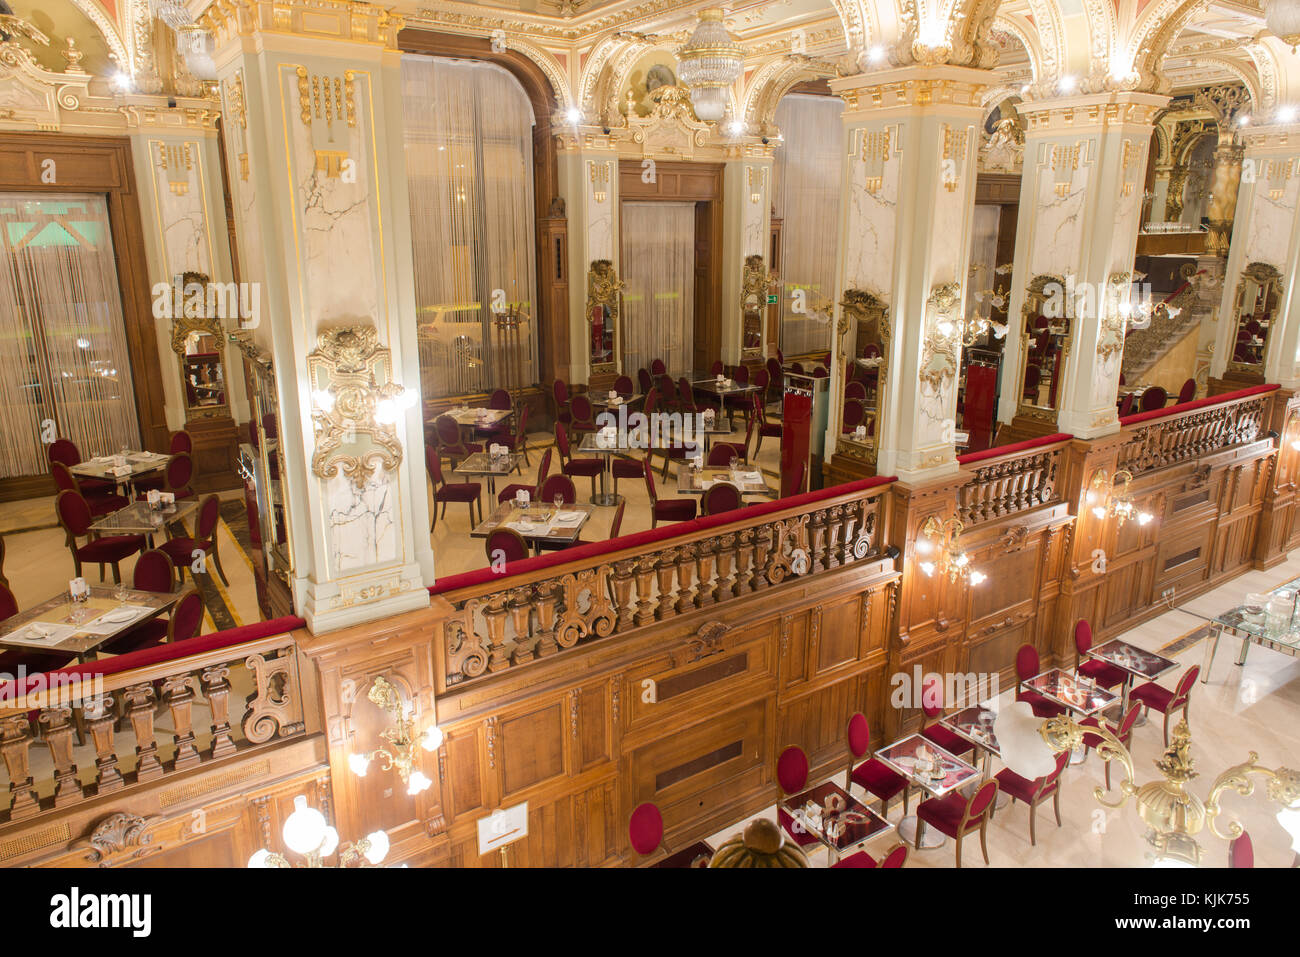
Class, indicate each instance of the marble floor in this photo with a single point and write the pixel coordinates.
(1254, 707)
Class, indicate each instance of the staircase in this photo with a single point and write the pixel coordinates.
(1144, 347)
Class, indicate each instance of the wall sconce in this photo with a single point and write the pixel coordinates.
(401, 736)
(943, 541)
(1111, 497)
(1292, 431)
(355, 404)
(308, 835)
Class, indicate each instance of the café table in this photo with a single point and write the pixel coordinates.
(1134, 662)
(747, 481)
(975, 724)
(623, 443)
(1074, 694)
(139, 518)
(482, 463)
(470, 419)
(1268, 619)
(60, 625)
(137, 464)
(837, 819)
(697, 855)
(939, 773)
(602, 400)
(537, 523)
(731, 388)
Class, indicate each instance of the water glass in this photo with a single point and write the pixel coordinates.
(558, 500)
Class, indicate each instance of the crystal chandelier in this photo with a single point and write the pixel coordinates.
(709, 64)
(308, 835)
(1282, 17)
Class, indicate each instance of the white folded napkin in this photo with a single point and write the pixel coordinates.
(569, 518)
(40, 633)
(112, 621)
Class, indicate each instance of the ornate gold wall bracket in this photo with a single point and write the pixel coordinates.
(355, 404)
(940, 351)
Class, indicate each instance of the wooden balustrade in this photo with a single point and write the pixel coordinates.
(1006, 484)
(159, 703)
(1156, 440)
(514, 619)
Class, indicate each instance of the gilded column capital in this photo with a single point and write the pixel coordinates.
(364, 23)
(1092, 111)
(914, 87)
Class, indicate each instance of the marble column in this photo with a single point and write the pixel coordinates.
(1080, 212)
(1266, 229)
(312, 96)
(912, 135)
(589, 181)
(1223, 192)
(747, 206)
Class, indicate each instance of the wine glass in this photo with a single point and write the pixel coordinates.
(735, 463)
(121, 592)
(558, 501)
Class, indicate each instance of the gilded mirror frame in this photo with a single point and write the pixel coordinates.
(754, 285)
(866, 317)
(603, 291)
(1037, 293)
(1269, 279)
(187, 320)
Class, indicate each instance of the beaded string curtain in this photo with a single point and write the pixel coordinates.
(469, 166)
(66, 370)
(659, 302)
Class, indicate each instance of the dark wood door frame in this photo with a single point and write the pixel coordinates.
(701, 184)
(101, 165)
(552, 312)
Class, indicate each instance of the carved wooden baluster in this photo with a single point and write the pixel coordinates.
(834, 528)
(15, 740)
(139, 709)
(744, 562)
(215, 681)
(57, 725)
(100, 721)
(726, 587)
(645, 576)
(495, 618)
(545, 603)
(685, 576)
(817, 541)
(520, 615)
(762, 547)
(622, 588)
(664, 572)
(178, 695)
(849, 531)
(704, 559)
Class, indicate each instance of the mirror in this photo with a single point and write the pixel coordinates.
(864, 323)
(198, 340)
(1046, 326)
(603, 289)
(1258, 294)
(755, 283)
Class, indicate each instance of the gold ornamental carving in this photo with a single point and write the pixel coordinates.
(325, 102)
(351, 374)
(939, 352)
(955, 144)
(875, 154)
(1065, 160)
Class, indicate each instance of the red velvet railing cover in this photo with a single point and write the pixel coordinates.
(1139, 417)
(10, 692)
(652, 536)
(972, 457)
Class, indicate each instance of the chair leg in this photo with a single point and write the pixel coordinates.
(471, 514)
(1056, 803)
(959, 843)
(216, 560)
(1033, 837)
(101, 578)
(983, 838)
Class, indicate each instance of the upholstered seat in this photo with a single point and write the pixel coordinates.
(75, 518)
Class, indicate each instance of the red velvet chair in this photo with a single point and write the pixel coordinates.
(185, 622)
(1035, 792)
(1241, 852)
(624, 468)
(507, 544)
(100, 503)
(932, 705)
(75, 518)
(180, 442)
(30, 662)
(873, 776)
(181, 550)
(574, 468)
(775, 380)
(444, 491)
(449, 441)
(896, 857)
(508, 493)
(720, 497)
(1154, 398)
(560, 485)
(1188, 392)
(955, 815)
(855, 411)
(624, 387)
(1156, 698)
(615, 527)
(177, 474)
(669, 510)
(560, 392)
(644, 381)
(765, 429)
(1124, 732)
(1027, 666)
(516, 441)
(154, 572)
(66, 451)
(645, 829)
(855, 390)
(721, 454)
(657, 367)
(1126, 405)
(686, 397)
(792, 777)
(584, 415)
(1101, 673)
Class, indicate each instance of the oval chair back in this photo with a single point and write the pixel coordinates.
(895, 858)
(209, 513)
(1241, 852)
(1126, 405)
(721, 497)
(820, 372)
(722, 453)
(154, 572)
(762, 379)
(447, 432)
(506, 544)
(981, 799)
(657, 367)
(543, 471)
(74, 514)
(666, 387)
(433, 462)
(741, 374)
(859, 735)
(686, 394)
(65, 451)
(854, 412)
(717, 368)
(797, 368)
(64, 480)
(8, 604)
(645, 828)
(1082, 637)
(1154, 398)
(181, 442)
(559, 485)
(1126, 725)
(856, 390)
(792, 770)
(644, 381)
(1184, 687)
(932, 698)
(1188, 392)
(562, 442)
(583, 415)
(179, 471)
(651, 400)
(500, 400)
(623, 386)
(1027, 664)
(187, 616)
(560, 392)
